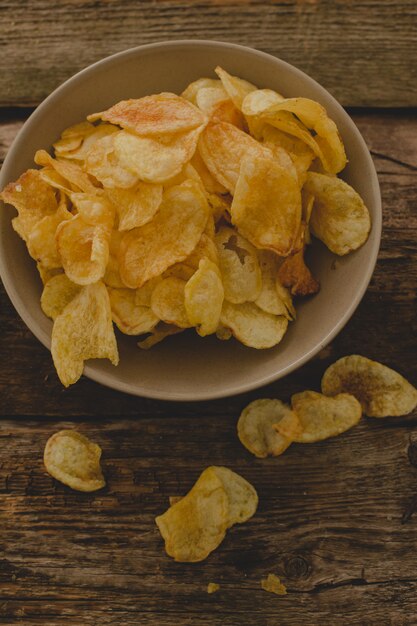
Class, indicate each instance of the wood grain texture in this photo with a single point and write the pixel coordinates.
(363, 51)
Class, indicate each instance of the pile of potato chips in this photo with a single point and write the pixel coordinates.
(352, 385)
(172, 212)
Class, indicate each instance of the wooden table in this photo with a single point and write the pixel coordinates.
(334, 520)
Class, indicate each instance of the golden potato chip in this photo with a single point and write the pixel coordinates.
(181, 271)
(211, 185)
(155, 159)
(159, 114)
(322, 416)
(69, 171)
(220, 206)
(167, 302)
(222, 147)
(242, 497)
(84, 330)
(41, 241)
(57, 293)
(191, 91)
(77, 141)
(252, 326)
(273, 584)
(84, 249)
(207, 98)
(239, 267)
(95, 210)
(212, 587)
(143, 296)
(273, 298)
(102, 162)
(339, 216)
(169, 238)
(55, 180)
(301, 154)
(258, 101)
(203, 298)
(46, 273)
(74, 460)
(266, 207)
(227, 112)
(256, 431)
(136, 206)
(236, 88)
(205, 247)
(158, 334)
(196, 525)
(33, 198)
(296, 276)
(130, 318)
(381, 391)
(111, 276)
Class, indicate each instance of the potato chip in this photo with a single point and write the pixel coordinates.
(236, 88)
(111, 276)
(339, 217)
(190, 92)
(94, 209)
(211, 185)
(381, 391)
(212, 587)
(41, 242)
(239, 267)
(159, 114)
(222, 147)
(159, 333)
(242, 497)
(322, 417)
(207, 98)
(55, 180)
(57, 293)
(32, 198)
(102, 162)
(296, 276)
(273, 298)
(46, 273)
(74, 460)
(136, 206)
(83, 331)
(167, 302)
(181, 271)
(301, 154)
(220, 206)
(169, 238)
(273, 584)
(203, 298)
(255, 427)
(69, 171)
(227, 112)
(84, 249)
(131, 318)
(205, 248)
(196, 525)
(266, 207)
(252, 326)
(75, 146)
(143, 296)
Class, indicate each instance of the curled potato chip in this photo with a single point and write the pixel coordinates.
(223, 146)
(381, 391)
(239, 267)
(205, 248)
(196, 525)
(131, 318)
(55, 180)
(167, 302)
(236, 88)
(296, 276)
(33, 198)
(256, 431)
(136, 206)
(273, 298)
(77, 141)
(191, 91)
(300, 153)
(266, 207)
(252, 326)
(322, 417)
(57, 293)
(71, 172)
(102, 162)
(84, 249)
(207, 98)
(83, 331)
(339, 216)
(203, 298)
(95, 210)
(169, 238)
(41, 242)
(158, 334)
(74, 460)
(242, 497)
(159, 114)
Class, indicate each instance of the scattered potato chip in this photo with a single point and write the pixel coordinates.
(242, 497)
(252, 326)
(381, 391)
(322, 416)
(83, 331)
(204, 295)
(170, 237)
(167, 302)
(136, 206)
(239, 266)
(57, 293)
(71, 172)
(159, 114)
(196, 525)
(212, 587)
(296, 276)
(255, 427)
(266, 207)
(236, 88)
(273, 584)
(273, 298)
(131, 318)
(158, 334)
(339, 216)
(102, 162)
(74, 460)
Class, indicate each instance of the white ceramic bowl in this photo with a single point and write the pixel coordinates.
(186, 367)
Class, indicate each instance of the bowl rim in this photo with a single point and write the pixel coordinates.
(106, 378)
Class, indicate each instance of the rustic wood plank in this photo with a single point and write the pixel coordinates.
(361, 51)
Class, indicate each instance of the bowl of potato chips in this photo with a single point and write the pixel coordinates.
(194, 219)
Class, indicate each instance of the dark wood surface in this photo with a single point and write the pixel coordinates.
(335, 519)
